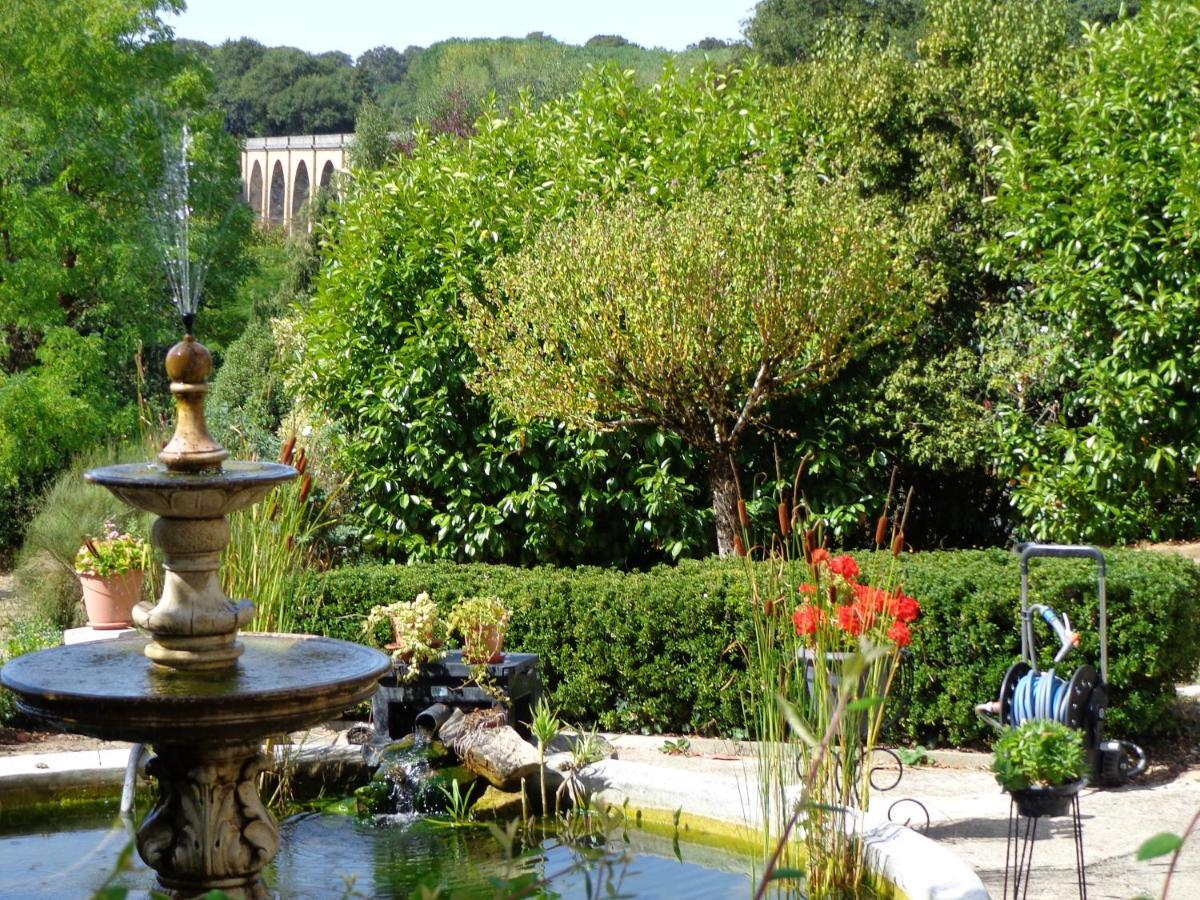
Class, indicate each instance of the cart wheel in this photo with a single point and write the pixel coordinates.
(1008, 687)
(1114, 768)
(1079, 695)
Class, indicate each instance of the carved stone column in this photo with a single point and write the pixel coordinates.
(208, 827)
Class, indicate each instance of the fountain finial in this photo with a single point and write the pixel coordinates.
(191, 448)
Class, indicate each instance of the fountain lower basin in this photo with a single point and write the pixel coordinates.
(208, 828)
(112, 690)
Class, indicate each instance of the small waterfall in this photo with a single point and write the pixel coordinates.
(408, 776)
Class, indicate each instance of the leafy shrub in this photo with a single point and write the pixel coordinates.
(663, 650)
(248, 401)
(47, 414)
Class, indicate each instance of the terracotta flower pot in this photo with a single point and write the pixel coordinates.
(483, 645)
(400, 641)
(109, 600)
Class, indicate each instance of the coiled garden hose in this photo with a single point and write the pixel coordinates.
(1040, 695)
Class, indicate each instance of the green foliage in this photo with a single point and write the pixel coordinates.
(664, 650)
(92, 96)
(507, 68)
(695, 318)
(248, 402)
(783, 31)
(282, 90)
(24, 637)
(48, 413)
(70, 511)
(1038, 753)
(1099, 425)
(386, 360)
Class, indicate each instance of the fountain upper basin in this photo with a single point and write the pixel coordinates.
(111, 690)
(191, 495)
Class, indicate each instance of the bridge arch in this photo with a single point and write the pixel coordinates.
(276, 205)
(327, 174)
(254, 191)
(300, 190)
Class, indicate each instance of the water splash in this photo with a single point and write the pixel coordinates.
(185, 275)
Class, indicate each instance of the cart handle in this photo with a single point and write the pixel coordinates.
(1031, 550)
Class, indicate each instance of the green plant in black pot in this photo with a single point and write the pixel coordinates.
(1041, 763)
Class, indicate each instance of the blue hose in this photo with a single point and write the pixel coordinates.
(1040, 695)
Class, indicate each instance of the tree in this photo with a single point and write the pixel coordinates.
(381, 67)
(694, 319)
(1097, 205)
(88, 113)
(783, 31)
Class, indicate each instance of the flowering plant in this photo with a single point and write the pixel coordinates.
(836, 603)
(417, 628)
(477, 619)
(116, 553)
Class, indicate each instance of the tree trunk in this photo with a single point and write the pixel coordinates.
(723, 481)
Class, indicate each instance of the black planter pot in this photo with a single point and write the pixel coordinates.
(1053, 800)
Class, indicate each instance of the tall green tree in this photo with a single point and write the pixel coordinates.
(1100, 217)
(695, 319)
(92, 96)
(784, 31)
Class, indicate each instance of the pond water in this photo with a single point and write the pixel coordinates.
(330, 856)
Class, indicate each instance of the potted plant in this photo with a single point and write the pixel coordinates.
(111, 571)
(1041, 763)
(416, 630)
(482, 623)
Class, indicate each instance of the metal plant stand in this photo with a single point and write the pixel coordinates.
(1018, 851)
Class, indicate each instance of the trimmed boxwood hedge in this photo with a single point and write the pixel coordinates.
(662, 650)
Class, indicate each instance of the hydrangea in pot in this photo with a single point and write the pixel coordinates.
(1041, 763)
(111, 572)
(482, 623)
(417, 630)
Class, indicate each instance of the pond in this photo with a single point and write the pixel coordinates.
(69, 853)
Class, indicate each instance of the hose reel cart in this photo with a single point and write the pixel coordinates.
(1080, 701)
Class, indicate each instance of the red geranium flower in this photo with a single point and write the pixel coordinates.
(807, 619)
(819, 556)
(900, 633)
(850, 619)
(907, 609)
(808, 588)
(844, 566)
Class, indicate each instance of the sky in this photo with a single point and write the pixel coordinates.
(353, 26)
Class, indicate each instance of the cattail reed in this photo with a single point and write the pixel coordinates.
(898, 543)
(739, 547)
(785, 519)
(305, 488)
(301, 461)
(285, 455)
(743, 513)
(881, 530)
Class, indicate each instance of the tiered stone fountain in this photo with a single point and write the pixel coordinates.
(203, 698)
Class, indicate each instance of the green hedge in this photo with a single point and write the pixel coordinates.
(662, 650)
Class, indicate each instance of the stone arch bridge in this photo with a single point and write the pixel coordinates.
(280, 174)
